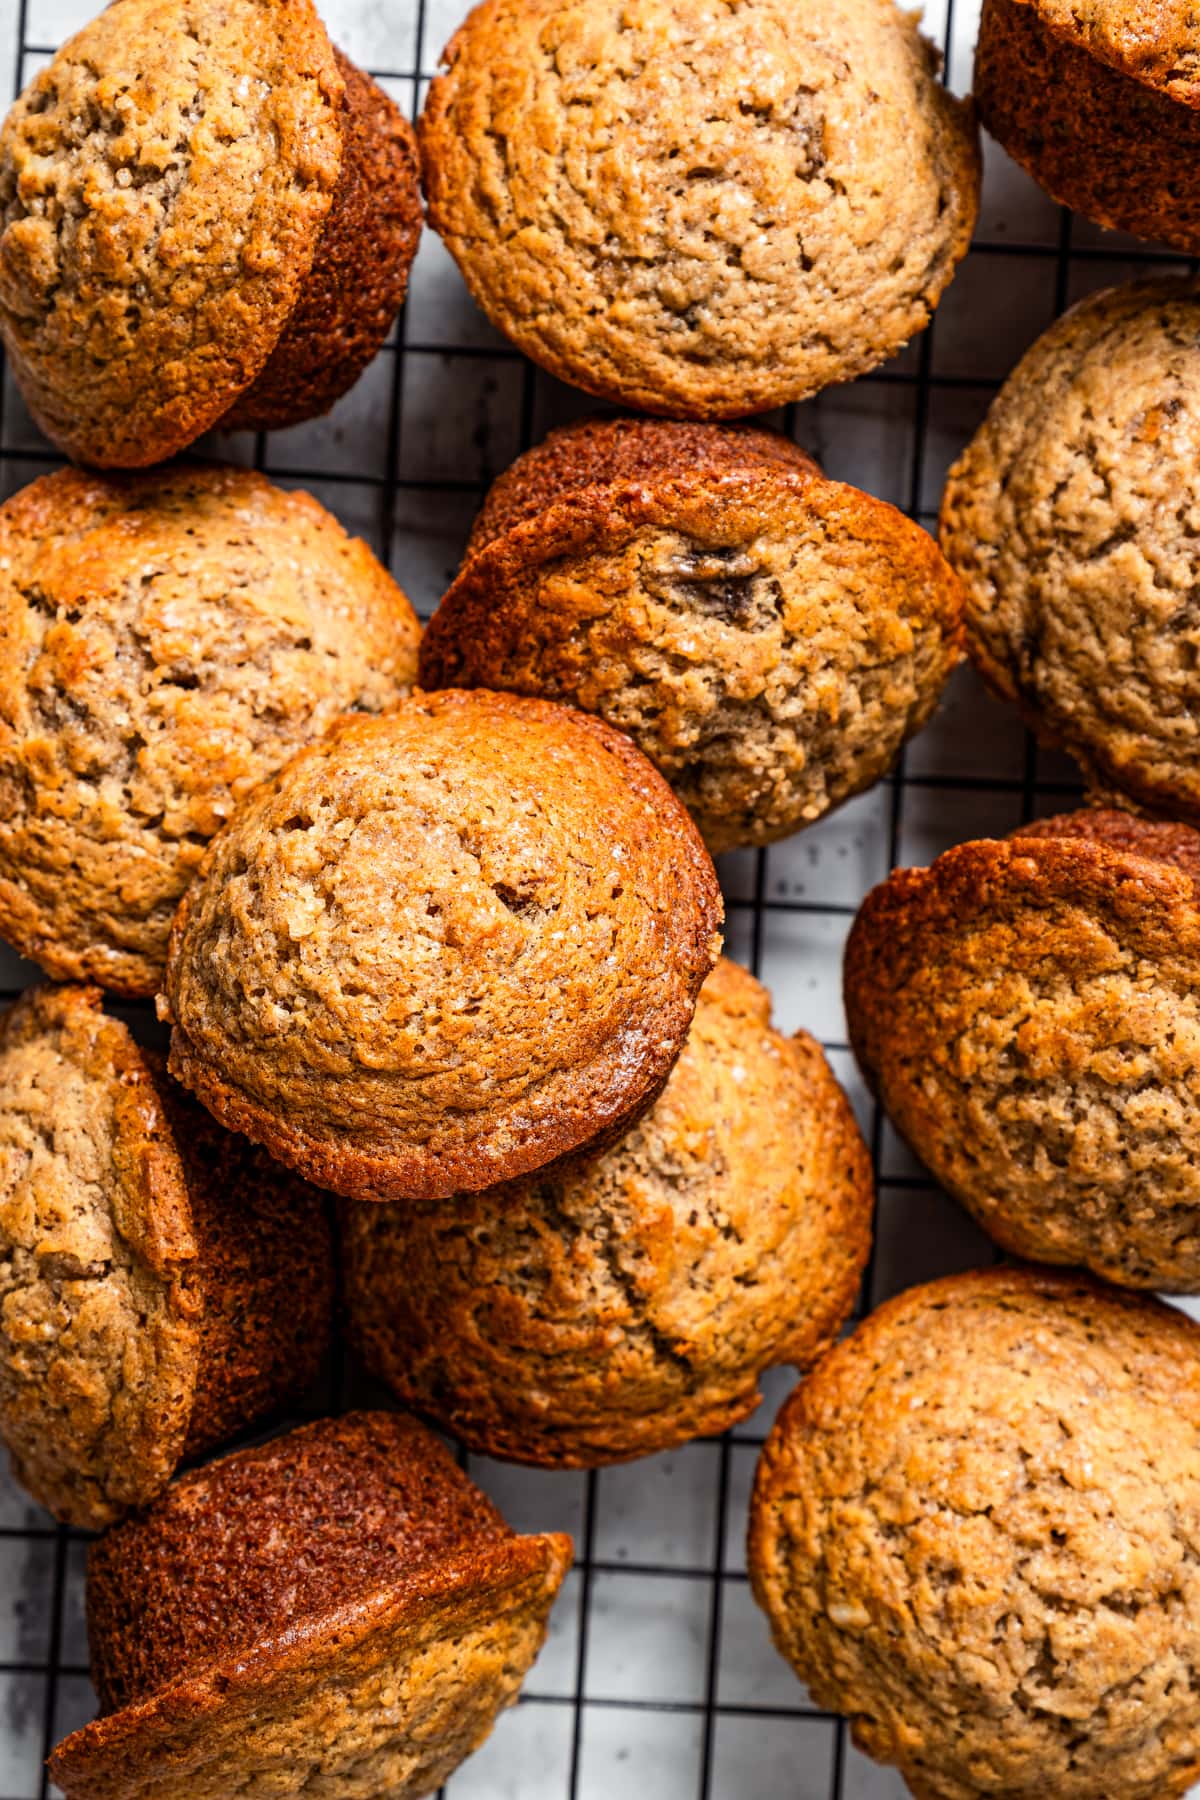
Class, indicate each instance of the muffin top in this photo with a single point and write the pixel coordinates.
(166, 641)
(974, 1530)
(767, 637)
(443, 947)
(1029, 1012)
(1072, 520)
(1155, 41)
(100, 1292)
(631, 1302)
(698, 209)
(163, 185)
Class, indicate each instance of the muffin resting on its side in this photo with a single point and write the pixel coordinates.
(695, 208)
(443, 948)
(162, 1282)
(1073, 519)
(974, 1530)
(340, 1612)
(166, 641)
(768, 637)
(1029, 1014)
(1100, 101)
(631, 1303)
(207, 217)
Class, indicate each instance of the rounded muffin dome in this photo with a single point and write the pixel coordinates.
(629, 1303)
(699, 209)
(973, 1531)
(1072, 520)
(443, 947)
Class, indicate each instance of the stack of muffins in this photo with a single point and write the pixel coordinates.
(435, 929)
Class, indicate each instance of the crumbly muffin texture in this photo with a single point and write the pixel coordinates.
(1028, 1014)
(975, 1530)
(166, 641)
(1072, 518)
(769, 638)
(1158, 43)
(443, 948)
(630, 1303)
(163, 186)
(694, 208)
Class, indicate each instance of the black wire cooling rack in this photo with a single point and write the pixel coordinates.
(658, 1675)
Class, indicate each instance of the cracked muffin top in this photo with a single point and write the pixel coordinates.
(167, 640)
(631, 1302)
(1155, 41)
(767, 636)
(697, 208)
(1072, 519)
(1029, 1014)
(443, 948)
(976, 1531)
(163, 185)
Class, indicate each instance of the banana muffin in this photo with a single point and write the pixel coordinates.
(768, 637)
(338, 1613)
(1072, 519)
(166, 641)
(974, 1530)
(696, 208)
(1100, 101)
(162, 1283)
(1029, 1014)
(207, 217)
(631, 1303)
(443, 948)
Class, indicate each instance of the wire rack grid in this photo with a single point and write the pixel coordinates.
(658, 1675)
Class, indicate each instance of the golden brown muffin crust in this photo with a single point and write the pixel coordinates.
(1029, 1013)
(166, 641)
(975, 1531)
(1178, 845)
(1155, 41)
(443, 948)
(163, 186)
(767, 637)
(697, 208)
(631, 1303)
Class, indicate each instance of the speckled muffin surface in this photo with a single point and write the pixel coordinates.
(1027, 1012)
(974, 1530)
(631, 1303)
(340, 1613)
(443, 948)
(163, 187)
(768, 637)
(166, 641)
(695, 208)
(1071, 519)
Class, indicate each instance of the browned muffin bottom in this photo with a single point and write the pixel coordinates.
(167, 640)
(974, 1530)
(443, 948)
(162, 1283)
(340, 1613)
(1100, 101)
(1029, 1014)
(631, 1303)
(769, 638)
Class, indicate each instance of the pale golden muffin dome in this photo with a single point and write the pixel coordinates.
(1029, 1013)
(339, 1614)
(207, 215)
(768, 637)
(629, 1303)
(973, 1530)
(162, 1283)
(1100, 101)
(1072, 520)
(443, 947)
(698, 209)
(166, 641)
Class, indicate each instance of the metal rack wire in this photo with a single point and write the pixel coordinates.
(658, 1673)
